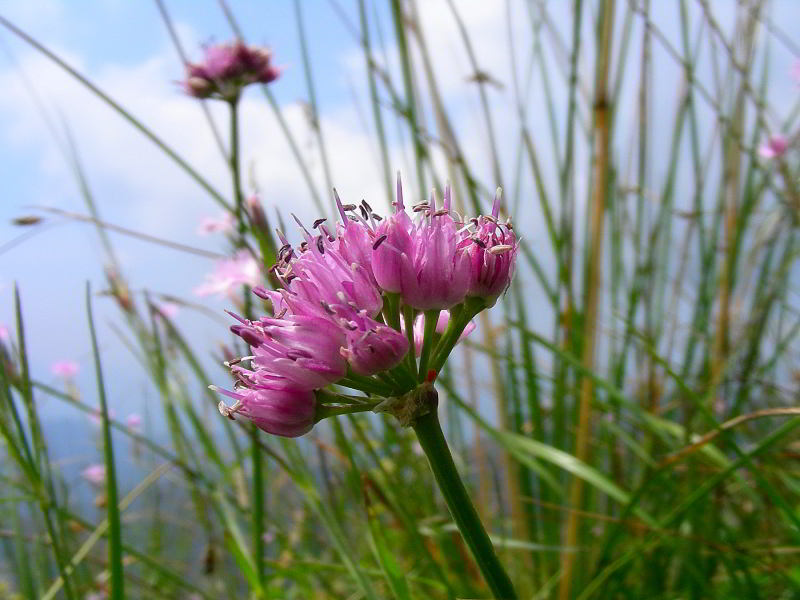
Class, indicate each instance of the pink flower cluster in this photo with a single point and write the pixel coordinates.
(332, 317)
(227, 68)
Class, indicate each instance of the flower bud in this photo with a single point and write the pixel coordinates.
(285, 412)
(372, 347)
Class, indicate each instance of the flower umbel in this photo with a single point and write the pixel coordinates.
(227, 68)
(336, 318)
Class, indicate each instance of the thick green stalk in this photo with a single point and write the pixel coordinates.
(431, 438)
(431, 318)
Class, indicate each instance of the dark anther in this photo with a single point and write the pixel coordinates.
(377, 217)
(379, 241)
(364, 212)
(349, 207)
(318, 222)
(367, 206)
(477, 241)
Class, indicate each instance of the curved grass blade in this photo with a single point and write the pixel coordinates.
(115, 528)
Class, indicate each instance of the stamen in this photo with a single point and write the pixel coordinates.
(318, 222)
(478, 241)
(399, 202)
(500, 249)
(379, 241)
(224, 409)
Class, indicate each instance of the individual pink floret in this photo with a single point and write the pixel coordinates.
(775, 147)
(230, 274)
(95, 474)
(64, 368)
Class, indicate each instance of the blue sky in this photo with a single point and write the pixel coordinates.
(124, 47)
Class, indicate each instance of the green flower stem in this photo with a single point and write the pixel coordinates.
(460, 316)
(365, 384)
(323, 412)
(411, 357)
(431, 318)
(461, 508)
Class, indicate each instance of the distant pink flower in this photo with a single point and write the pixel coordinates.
(95, 474)
(4, 335)
(221, 224)
(96, 417)
(64, 368)
(775, 147)
(169, 309)
(227, 68)
(133, 421)
(441, 326)
(231, 273)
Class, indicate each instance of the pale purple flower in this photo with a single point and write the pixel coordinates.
(4, 335)
(168, 309)
(492, 251)
(231, 273)
(134, 421)
(372, 347)
(441, 326)
(221, 224)
(227, 68)
(95, 474)
(96, 417)
(64, 368)
(423, 263)
(774, 147)
(298, 351)
(281, 410)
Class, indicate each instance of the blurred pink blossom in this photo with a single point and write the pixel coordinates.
(441, 326)
(774, 147)
(96, 417)
(134, 421)
(4, 335)
(95, 474)
(221, 224)
(64, 368)
(229, 274)
(169, 309)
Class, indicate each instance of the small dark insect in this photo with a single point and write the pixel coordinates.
(27, 220)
